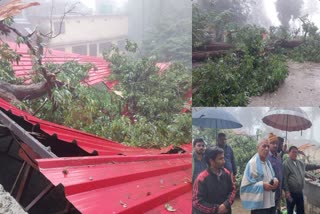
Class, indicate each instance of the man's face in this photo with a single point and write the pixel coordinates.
(280, 146)
(263, 150)
(293, 154)
(219, 162)
(199, 148)
(222, 141)
(274, 147)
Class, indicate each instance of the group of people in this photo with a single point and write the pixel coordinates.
(265, 177)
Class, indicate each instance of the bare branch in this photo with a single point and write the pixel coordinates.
(50, 34)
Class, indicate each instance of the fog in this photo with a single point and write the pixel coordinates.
(265, 14)
(251, 119)
(90, 27)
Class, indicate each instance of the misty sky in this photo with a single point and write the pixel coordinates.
(314, 16)
(91, 3)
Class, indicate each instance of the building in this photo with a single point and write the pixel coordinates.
(89, 35)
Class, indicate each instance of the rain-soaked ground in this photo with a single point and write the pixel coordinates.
(237, 207)
(301, 88)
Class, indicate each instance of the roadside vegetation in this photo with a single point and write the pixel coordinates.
(234, 60)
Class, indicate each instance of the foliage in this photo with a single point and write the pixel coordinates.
(154, 99)
(213, 20)
(244, 147)
(199, 25)
(148, 92)
(230, 80)
(7, 57)
(309, 33)
(212, 24)
(167, 38)
(310, 49)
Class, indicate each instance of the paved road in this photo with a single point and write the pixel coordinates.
(301, 88)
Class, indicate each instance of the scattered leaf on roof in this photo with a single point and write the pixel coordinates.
(187, 180)
(123, 204)
(169, 208)
(65, 171)
(90, 178)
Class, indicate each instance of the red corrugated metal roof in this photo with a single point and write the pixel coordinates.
(96, 75)
(104, 184)
(86, 141)
(23, 68)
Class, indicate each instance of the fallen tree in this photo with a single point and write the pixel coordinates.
(219, 49)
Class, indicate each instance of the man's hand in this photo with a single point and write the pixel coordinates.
(288, 195)
(275, 183)
(267, 186)
(222, 209)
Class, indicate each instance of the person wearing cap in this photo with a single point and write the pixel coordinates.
(198, 162)
(230, 163)
(258, 182)
(293, 180)
(276, 161)
(214, 189)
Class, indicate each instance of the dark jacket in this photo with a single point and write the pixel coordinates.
(197, 166)
(229, 158)
(293, 175)
(211, 190)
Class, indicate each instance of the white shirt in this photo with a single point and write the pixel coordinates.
(268, 196)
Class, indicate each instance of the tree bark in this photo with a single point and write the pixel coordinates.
(203, 55)
(290, 43)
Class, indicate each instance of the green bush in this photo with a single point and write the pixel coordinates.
(232, 79)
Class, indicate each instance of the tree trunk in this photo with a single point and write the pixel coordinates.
(10, 92)
(290, 43)
(200, 56)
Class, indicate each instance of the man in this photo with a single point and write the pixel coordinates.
(228, 154)
(294, 171)
(258, 181)
(276, 161)
(282, 147)
(198, 162)
(213, 190)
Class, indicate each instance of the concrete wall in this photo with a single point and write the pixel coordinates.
(92, 28)
(312, 197)
(91, 35)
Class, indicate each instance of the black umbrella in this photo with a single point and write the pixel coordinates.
(214, 118)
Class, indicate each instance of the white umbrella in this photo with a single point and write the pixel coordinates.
(287, 119)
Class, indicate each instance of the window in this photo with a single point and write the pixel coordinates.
(60, 49)
(104, 47)
(93, 49)
(80, 49)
